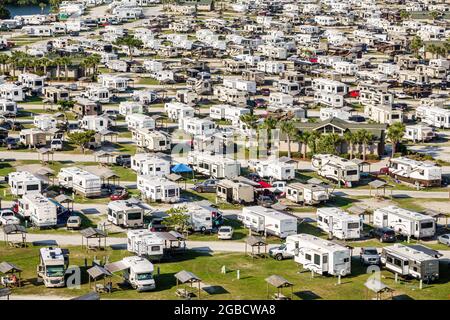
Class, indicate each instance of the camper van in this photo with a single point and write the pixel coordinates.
(137, 271)
(39, 209)
(309, 194)
(53, 263)
(339, 224)
(22, 182)
(127, 213)
(81, 181)
(235, 192)
(414, 261)
(405, 222)
(336, 168)
(202, 216)
(268, 221)
(320, 256)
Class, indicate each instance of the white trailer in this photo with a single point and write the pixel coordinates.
(178, 110)
(140, 121)
(417, 172)
(130, 107)
(39, 209)
(158, 189)
(137, 271)
(53, 263)
(146, 243)
(419, 132)
(44, 122)
(336, 168)
(216, 166)
(339, 223)
(127, 213)
(405, 222)
(416, 261)
(268, 221)
(434, 116)
(94, 122)
(321, 256)
(23, 182)
(150, 164)
(276, 169)
(309, 194)
(81, 181)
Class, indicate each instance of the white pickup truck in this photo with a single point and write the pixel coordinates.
(7, 217)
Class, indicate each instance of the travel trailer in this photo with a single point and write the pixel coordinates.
(339, 224)
(336, 168)
(412, 261)
(39, 209)
(434, 116)
(202, 216)
(405, 222)
(268, 221)
(197, 126)
(32, 138)
(306, 194)
(158, 189)
(44, 122)
(8, 108)
(178, 110)
(320, 256)
(137, 272)
(140, 121)
(145, 243)
(22, 182)
(276, 169)
(81, 181)
(150, 164)
(129, 107)
(235, 192)
(151, 140)
(216, 166)
(94, 122)
(53, 263)
(127, 213)
(417, 172)
(419, 132)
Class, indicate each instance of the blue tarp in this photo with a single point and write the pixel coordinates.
(181, 168)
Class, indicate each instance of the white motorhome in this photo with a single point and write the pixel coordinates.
(39, 209)
(114, 83)
(81, 181)
(150, 164)
(197, 126)
(140, 121)
(202, 216)
(32, 81)
(137, 271)
(417, 172)
(268, 221)
(235, 191)
(23, 182)
(336, 168)
(434, 116)
(339, 223)
(127, 213)
(10, 91)
(320, 256)
(44, 122)
(309, 194)
(411, 261)
(53, 263)
(216, 166)
(276, 169)
(405, 222)
(97, 94)
(8, 108)
(158, 189)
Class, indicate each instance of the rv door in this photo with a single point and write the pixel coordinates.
(325, 262)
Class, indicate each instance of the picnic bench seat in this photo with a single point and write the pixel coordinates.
(183, 293)
(279, 296)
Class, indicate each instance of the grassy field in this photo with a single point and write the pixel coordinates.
(251, 284)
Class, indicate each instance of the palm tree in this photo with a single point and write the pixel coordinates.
(433, 49)
(13, 61)
(435, 14)
(303, 138)
(365, 138)
(312, 140)
(45, 63)
(3, 61)
(65, 61)
(42, 5)
(269, 124)
(95, 61)
(25, 62)
(395, 134)
(130, 42)
(416, 44)
(334, 140)
(58, 62)
(288, 128)
(350, 139)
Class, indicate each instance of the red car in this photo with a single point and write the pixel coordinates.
(119, 195)
(265, 92)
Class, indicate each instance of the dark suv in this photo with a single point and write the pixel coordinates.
(383, 234)
(123, 160)
(209, 185)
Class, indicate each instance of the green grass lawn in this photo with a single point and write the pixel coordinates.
(148, 81)
(251, 284)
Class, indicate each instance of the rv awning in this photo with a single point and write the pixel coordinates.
(428, 251)
(376, 286)
(98, 271)
(170, 236)
(315, 181)
(45, 171)
(116, 266)
(186, 276)
(14, 228)
(6, 267)
(247, 181)
(264, 184)
(92, 233)
(88, 296)
(278, 281)
(279, 207)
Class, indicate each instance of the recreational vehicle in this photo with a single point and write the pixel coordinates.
(137, 272)
(32, 138)
(276, 169)
(268, 221)
(146, 243)
(405, 222)
(417, 172)
(150, 164)
(419, 132)
(140, 121)
(309, 194)
(81, 181)
(151, 140)
(434, 116)
(53, 263)
(412, 261)
(158, 189)
(94, 122)
(44, 122)
(339, 224)
(235, 192)
(216, 166)
(320, 256)
(336, 168)
(8, 108)
(127, 213)
(178, 110)
(22, 182)
(39, 209)
(129, 107)
(202, 216)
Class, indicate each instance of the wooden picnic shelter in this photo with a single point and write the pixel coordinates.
(98, 272)
(279, 283)
(438, 215)
(256, 243)
(92, 233)
(379, 288)
(45, 152)
(65, 200)
(13, 229)
(378, 185)
(10, 269)
(187, 278)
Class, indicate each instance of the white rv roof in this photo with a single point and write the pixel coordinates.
(138, 264)
(125, 205)
(155, 181)
(407, 214)
(413, 163)
(408, 252)
(268, 212)
(79, 172)
(24, 176)
(337, 213)
(55, 255)
(335, 160)
(319, 243)
(38, 200)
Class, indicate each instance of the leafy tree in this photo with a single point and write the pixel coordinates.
(416, 44)
(365, 138)
(130, 42)
(405, 15)
(177, 220)
(313, 140)
(435, 14)
(4, 13)
(3, 61)
(395, 134)
(82, 138)
(288, 128)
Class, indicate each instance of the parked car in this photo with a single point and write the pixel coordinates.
(444, 239)
(369, 256)
(209, 185)
(7, 217)
(254, 177)
(225, 233)
(119, 194)
(12, 143)
(74, 222)
(265, 92)
(383, 234)
(124, 160)
(265, 201)
(112, 114)
(56, 144)
(156, 225)
(280, 253)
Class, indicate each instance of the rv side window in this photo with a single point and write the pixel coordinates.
(353, 225)
(325, 259)
(397, 262)
(308, 257)
(352, 172)
(426, 225)
(316, 259)
(32, 187)
(405, 263)
(155, 248)
(320, 218)
(346, 259)
(389, 259)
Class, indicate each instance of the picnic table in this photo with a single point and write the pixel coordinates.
(280, 296)
(183, 293)
(100, 288)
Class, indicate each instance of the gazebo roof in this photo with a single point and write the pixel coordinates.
(14, 228)
(45, 171)
(92, 233)
(356, 210)
(45, 151)
(278, 281)
(174, 177)
(98, 271)
(6, 267)
(435, 214)
(185, 276)
(376, 286)
(379, 184)
(62, 198)
(255, 241)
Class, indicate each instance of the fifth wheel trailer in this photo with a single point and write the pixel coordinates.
(339, 223)
(268, 221)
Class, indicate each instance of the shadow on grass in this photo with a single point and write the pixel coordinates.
(307, 295)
